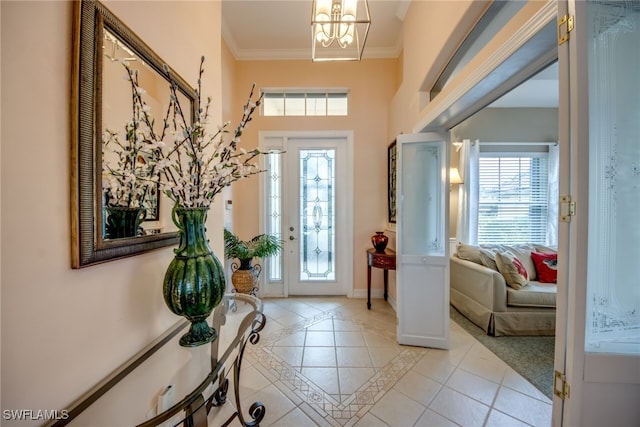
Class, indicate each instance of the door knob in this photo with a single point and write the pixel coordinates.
(292, 238)
(291, 228)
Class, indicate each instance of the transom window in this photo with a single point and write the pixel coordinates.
(320, 102)
(513, 198)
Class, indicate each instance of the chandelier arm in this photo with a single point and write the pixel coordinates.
(337, 22)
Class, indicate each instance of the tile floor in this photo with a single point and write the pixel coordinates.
(328, 361)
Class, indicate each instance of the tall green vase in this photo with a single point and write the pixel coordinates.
(194, 282)
(123, 222)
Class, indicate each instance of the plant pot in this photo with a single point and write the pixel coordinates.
(245, 276)
(194, 283)
(123, 222)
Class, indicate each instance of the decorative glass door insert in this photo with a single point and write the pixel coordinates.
(317, 214)
(274, 211)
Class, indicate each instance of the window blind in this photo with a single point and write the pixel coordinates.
(513, 198)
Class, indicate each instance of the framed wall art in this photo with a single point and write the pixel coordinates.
(392, 157)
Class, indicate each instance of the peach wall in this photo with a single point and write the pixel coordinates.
(372, 84)
(228, 64)
(432, 32)
(63, 330)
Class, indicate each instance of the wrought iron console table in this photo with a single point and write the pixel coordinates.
(226, 356)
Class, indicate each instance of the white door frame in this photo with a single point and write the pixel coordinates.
(279, 140)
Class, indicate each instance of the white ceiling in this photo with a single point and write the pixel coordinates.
(540, 91)
(281, 29)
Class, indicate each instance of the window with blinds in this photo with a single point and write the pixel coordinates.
(305, 102)
(513, 198)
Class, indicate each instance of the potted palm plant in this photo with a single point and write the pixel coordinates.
(245, 275)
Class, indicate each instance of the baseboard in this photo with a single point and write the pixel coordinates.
(420, 341)
(362, 293)
(355, 293)
(393, 303)
(376, 294)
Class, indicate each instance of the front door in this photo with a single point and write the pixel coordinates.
(314, 215)
(599, 247)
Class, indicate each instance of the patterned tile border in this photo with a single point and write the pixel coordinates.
(337, 410)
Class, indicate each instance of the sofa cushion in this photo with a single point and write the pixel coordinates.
(512, 269)
(468, 252)
(488, 259)
(545, 249)
(533, 294)
(523, 252)
(546, 266)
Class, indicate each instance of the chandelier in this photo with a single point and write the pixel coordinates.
(339, 29)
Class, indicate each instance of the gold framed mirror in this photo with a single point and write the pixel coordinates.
(102, 104)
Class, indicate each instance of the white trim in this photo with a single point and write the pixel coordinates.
(516, 144)
(377, 297)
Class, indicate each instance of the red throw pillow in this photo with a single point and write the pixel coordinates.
(546, 266)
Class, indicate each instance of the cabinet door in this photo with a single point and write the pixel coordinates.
(422, 230)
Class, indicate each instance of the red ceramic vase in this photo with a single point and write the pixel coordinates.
(379, 241)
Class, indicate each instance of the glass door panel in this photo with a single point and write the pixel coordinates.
(273, 207)
(422, 213)
(613, 289)
(317, 215)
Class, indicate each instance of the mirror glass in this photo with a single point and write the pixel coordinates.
(102, 139)
(117, 107)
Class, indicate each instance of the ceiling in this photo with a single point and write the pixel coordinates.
(281, 30)
(540, 91)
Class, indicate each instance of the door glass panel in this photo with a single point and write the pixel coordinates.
(274, 212)
(423, 199)
(613, 287)
(317, 216)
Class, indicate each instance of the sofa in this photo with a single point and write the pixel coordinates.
(505, 289)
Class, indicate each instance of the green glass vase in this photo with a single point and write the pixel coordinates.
(194, 282)
(123, 222)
